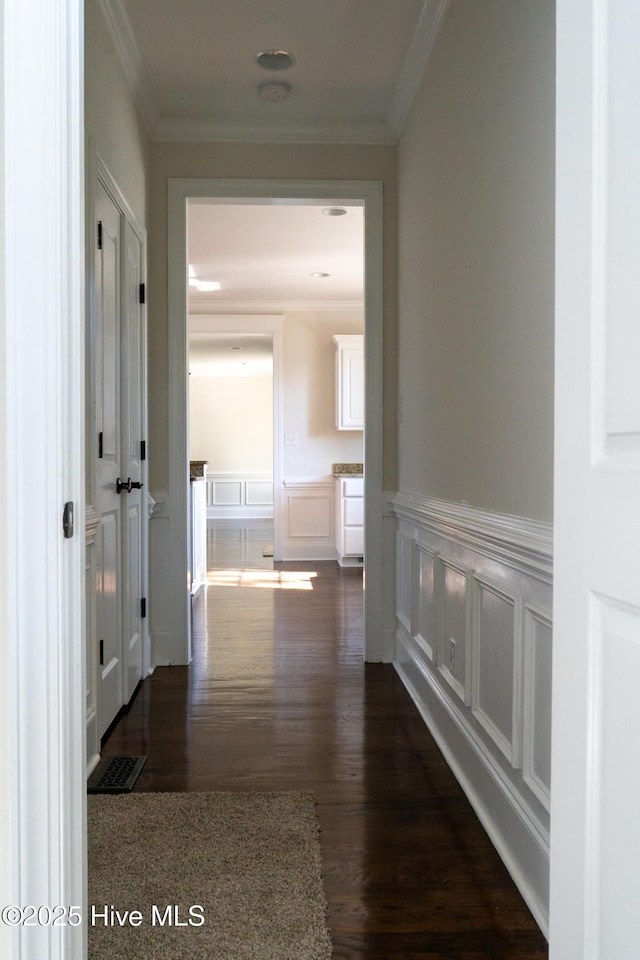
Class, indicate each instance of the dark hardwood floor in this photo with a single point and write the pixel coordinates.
(278, 698)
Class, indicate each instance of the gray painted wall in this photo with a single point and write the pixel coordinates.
(476, 263)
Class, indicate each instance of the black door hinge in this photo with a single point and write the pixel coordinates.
(142, 293)
(99, 234)
(102, 653)
(143, 607)
(143, 449)
(100, 445)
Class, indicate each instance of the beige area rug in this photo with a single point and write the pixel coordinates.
(205, 876)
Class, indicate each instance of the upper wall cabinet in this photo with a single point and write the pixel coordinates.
(349, 381)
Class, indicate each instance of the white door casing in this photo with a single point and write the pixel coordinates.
(378, 645)
(595, 829)
(42, 709)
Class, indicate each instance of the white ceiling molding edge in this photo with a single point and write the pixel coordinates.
(210, 306)
(126, 45)
(230, 131)
(420, 49)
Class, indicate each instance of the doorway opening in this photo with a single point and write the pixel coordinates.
(184, 196)
(234, 414)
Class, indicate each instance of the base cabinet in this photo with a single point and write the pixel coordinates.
(350, 521)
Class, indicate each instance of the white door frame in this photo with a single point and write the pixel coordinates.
(98, 172)
(42, 682)
(370, 194)
(270, 325)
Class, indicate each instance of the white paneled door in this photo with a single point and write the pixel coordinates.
(595, 783)
(133, 432)
(109, 468)
(119, 379)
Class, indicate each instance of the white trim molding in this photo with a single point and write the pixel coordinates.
(473, 648)
(527, 544)
(42, 703)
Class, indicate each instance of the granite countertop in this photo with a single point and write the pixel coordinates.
(198, 469)
(347, 469)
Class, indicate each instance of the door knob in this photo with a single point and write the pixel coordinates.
(123, 485)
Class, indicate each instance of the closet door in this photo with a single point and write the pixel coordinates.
(133, 432)
(108, 318)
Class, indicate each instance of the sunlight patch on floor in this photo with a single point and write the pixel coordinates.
(265, 579)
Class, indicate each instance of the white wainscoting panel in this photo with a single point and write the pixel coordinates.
(452, 649)
(536, 756)
(239, 496)
(404, 590)
(495, 698)
(473, 647)
(308, 516)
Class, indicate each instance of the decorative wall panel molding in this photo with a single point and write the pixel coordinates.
(308, 519)
(525, 544)
(473, 647)
(536, 760)
(239, 496)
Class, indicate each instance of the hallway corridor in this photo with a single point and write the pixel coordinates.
(277, 698)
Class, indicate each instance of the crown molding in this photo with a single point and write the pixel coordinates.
(373, 133)
(211, 306)
(415, 63)
(128, 52)
(262, 131)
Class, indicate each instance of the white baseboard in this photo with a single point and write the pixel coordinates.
(524, 854)
(308, 551)
(240, 513)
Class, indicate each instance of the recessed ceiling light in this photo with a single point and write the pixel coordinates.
(274, 90)
(334, 211)
(319, 275)
(275, 60)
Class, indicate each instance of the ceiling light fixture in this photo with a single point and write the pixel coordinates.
(319, 275)
(334, 211)
(204, 286)
(274, 90)
(275, 59)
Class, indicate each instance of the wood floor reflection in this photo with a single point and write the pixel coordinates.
(278, 698)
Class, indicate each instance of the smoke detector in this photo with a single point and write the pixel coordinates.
(274, 90)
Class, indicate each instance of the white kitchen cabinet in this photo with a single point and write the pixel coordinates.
(350, 521)
(349, 381)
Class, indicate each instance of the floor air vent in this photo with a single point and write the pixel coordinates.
(115, 775)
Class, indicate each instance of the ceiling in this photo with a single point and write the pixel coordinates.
(192, 69)
(264, 254)
(191, 65)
